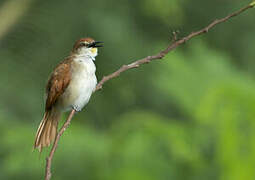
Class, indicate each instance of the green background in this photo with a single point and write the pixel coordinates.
(188, 116)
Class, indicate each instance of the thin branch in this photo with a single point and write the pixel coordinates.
(171, 47)
(55, 144)
(175, 43)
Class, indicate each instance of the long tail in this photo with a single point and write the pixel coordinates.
(47, 129)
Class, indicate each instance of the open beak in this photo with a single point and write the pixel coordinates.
(96, 44)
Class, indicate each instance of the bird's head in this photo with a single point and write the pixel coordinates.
(86, 47)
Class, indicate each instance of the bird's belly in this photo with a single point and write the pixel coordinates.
(79, 91)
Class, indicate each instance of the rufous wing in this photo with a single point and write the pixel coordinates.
(58, 82)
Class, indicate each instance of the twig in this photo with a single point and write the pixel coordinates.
(55, 144)
(175, 43)
(171, 47)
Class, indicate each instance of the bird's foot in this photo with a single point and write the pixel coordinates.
(76, 108)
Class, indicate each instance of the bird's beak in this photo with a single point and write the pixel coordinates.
(96, 44)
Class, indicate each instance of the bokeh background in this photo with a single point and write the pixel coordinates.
(189, 116)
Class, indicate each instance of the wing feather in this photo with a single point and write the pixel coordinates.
(58, 82)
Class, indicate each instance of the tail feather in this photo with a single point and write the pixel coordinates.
(47, 129)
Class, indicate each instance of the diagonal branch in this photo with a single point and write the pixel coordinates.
(136, 64)
(171, 47)
(55, 144)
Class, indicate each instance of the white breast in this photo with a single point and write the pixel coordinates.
(82, 84)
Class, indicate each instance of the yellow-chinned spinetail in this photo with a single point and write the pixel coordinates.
(70, 86)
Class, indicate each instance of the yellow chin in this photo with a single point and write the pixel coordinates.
(93, 50)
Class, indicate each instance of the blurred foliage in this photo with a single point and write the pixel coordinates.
(252, 3)
(189, 116)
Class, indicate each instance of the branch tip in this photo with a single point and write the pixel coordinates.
(175, 35)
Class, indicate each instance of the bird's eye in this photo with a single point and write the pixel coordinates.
(83, 44)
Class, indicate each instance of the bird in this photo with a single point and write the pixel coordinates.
(69, 88)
